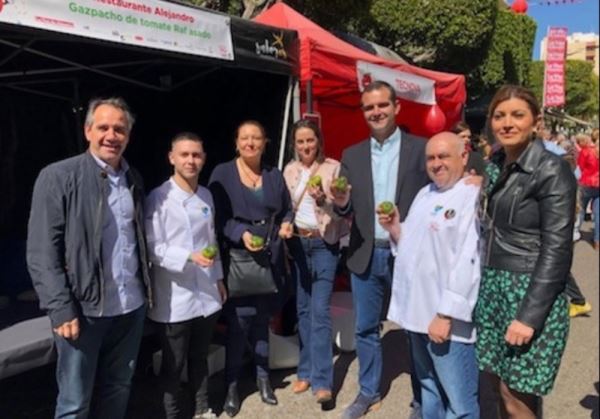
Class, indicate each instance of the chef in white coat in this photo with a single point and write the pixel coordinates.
(186, 275)
(436, 281)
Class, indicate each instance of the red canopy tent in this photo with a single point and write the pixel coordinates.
(328, 68)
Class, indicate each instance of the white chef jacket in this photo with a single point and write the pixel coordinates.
(177, 224)
(437, 265)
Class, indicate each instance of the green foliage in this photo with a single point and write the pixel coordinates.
(536, 79)
(343, 15)
(481, 39)
(508, 54)
(435, 33)
(489, 44)
(582, 88)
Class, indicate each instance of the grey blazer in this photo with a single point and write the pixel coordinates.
(356, 166)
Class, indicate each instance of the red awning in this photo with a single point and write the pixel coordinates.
(330, 64)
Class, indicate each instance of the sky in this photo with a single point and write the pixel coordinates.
(576, 15)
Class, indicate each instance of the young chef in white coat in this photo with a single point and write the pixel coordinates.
(187, 282)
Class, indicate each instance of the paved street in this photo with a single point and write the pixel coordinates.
(575, 396)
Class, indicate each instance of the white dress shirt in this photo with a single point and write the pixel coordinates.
(177, 224)
(437, 265)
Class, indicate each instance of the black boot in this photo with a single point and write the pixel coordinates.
(232, 401)
(266, 392)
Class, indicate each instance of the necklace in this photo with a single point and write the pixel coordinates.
(254, 179)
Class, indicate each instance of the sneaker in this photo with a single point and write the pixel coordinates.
(576, 310)
(361, 406)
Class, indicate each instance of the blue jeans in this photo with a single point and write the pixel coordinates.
(315, 264)
(101, 361)
(369, 291)
(588, 194)
(449, 378)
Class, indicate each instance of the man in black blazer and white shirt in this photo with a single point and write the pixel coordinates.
(388, 166)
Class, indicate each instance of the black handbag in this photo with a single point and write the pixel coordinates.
(250, 272)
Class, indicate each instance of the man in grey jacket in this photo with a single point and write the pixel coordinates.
(87, 258)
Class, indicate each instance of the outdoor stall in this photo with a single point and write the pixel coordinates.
(179, 68)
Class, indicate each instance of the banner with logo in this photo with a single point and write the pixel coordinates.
(148, 23)
(408, 86)
(554, 70)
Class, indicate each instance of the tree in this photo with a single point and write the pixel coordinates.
(481, 39)
(581, 88)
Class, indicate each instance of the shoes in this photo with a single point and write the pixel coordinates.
(232, 401)
(265, 391)
(323, 396)
(576, 310)
(361, 406)
(300, 386)
(205, 414)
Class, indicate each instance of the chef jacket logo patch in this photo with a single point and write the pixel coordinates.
(205, 211)
(437, 209)
(448, 215)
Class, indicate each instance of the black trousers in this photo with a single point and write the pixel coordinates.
(185, 343)
(573, 292)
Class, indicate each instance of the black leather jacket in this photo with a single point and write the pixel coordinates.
(531, 210)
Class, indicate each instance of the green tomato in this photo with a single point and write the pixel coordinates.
(210, 252)
(340, 183)
(386, 207)
(314, 181)
(257, 241)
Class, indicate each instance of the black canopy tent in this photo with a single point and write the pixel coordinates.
(48, 77)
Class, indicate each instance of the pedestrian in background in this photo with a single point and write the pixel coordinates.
(475, 162)
(589, 183)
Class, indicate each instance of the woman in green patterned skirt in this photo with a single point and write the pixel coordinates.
(522, 314)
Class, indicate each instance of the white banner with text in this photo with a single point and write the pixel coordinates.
(408, 86)
(148, 23)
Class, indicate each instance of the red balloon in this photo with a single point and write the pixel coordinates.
(435, 121)
(520, 6)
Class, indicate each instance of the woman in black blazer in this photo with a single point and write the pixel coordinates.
(247, 193)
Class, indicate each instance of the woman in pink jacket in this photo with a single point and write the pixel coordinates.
(315, 249)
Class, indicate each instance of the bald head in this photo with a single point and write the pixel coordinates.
(446, 158)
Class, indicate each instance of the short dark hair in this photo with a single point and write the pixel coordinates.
(459, 127)
(307, 123)
(186, 135)
(379, 85)
(115, 102)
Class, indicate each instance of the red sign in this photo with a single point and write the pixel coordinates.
(554, 71)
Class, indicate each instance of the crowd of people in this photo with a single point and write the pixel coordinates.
(468, 250)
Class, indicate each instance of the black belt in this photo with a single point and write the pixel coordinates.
(382, 243)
